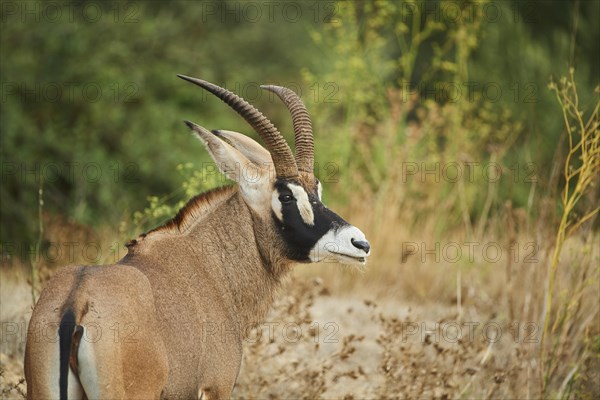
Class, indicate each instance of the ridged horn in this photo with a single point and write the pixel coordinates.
(283, 158)
(303, 134)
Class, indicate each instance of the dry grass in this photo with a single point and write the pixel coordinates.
(357, 335)
(419, 321)
(392, 330)
(409, 325)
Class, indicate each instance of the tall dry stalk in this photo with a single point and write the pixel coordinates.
(581, 169)
(38, 246)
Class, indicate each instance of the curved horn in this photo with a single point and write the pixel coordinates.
(303, 134)
(285, 164)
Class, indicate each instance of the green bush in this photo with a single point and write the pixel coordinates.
(368, 71)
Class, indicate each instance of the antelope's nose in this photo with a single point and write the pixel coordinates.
(361, 244)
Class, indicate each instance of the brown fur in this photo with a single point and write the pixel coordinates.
(196, 208)
(307, 181)
(182, 308)
(169, 318)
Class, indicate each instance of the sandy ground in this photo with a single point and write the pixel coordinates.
(15, 311)
(316, 344)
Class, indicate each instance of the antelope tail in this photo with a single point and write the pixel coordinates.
(69, 336)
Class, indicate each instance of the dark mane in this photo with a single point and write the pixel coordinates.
(197, 207)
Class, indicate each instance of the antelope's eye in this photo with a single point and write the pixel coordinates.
(286, 198)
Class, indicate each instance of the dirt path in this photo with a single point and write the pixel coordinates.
(315, 344)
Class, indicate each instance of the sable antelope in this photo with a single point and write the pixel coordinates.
(168, 320)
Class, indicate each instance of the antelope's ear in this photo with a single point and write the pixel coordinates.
(248, 147)
(230, 161)
(252, 178)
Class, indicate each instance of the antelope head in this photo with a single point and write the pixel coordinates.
(280, 189)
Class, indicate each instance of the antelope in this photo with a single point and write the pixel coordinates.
(168, 320)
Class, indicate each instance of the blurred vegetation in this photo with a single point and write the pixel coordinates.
(92, 110)
(433, 120)
(95, 109)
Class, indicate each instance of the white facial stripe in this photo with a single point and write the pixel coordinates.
(336, 246)
(276, 205)
(303, 203)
